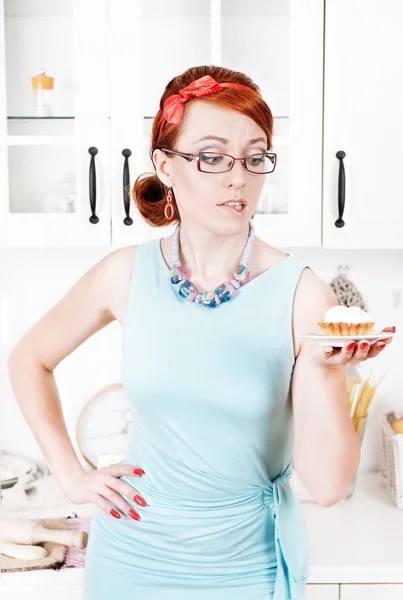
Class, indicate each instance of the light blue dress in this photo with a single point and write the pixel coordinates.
(210, 393)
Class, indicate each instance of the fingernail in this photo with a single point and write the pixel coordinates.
(364, 346)
(134, 515)
(393, 329)
(115, 513)
(380, 346)
(140, 500)
(351, 346)
(138, 472)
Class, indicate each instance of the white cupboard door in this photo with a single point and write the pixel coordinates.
(363, 120)
(322, 592)
(41, 592)
(372, 591)
(53, 109)
(279, 44)
(151, 41)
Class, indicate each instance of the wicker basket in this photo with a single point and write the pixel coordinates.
(392, 464)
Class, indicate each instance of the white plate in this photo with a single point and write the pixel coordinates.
(337, 341)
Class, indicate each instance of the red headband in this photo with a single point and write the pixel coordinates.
(174, 106)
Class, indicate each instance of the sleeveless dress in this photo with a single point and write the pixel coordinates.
(210, 396)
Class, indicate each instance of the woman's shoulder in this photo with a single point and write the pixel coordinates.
(117, 272)
(264, 256)
(313, 297)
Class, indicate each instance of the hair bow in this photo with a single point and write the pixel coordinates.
(174, 106)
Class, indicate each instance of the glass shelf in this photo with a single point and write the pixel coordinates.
(37, 118)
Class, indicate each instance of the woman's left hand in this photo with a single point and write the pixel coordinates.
(351, 353)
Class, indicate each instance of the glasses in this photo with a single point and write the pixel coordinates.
(215, 162)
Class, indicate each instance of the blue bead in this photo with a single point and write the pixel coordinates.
(186, 289)
(223, 293)
(208, 299)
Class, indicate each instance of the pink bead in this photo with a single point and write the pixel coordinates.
(183, 273)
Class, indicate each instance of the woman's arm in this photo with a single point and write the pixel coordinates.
(326, 446)
(90, 304)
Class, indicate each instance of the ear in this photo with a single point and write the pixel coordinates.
(163, 167)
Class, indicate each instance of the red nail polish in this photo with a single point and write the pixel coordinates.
(138, 472)
(351, 346)
(393, 329)
(364, 346)
(140, 500)
(380, 346)
(134, 515)
(115, 513)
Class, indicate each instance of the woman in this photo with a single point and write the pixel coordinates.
(222, 400)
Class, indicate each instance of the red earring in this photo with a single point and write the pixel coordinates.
(169, 210)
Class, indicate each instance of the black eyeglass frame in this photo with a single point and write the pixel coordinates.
(190, 157)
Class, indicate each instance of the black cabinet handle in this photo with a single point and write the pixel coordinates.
(93, 186)
(342, 189)
(126, 187)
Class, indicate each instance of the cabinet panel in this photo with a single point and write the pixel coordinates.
(41, 592)
(287, 38)
(45, 133)
(322, 592)
(363, 118)
(373, 591)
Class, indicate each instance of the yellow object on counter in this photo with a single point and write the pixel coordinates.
(397, 425)
(360, 395)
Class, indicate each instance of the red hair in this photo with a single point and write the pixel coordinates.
(149, 193)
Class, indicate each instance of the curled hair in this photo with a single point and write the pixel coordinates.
(149, 193)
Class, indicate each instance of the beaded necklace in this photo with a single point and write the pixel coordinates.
(224, 292)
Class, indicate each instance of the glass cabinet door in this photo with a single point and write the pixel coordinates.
(278, 43)
(168, 37)
(54, 127)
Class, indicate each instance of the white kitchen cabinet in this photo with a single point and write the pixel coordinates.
(287, 38)
(322, 592)
(45, 196)
(42, 592)
(363, 119)
(388, 591)
(111, 62)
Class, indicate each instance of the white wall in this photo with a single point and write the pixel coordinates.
(32, 280)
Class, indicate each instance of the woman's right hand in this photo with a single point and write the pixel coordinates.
(102, 485)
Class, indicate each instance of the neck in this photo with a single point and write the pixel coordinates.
(210, 258)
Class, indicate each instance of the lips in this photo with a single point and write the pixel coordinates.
(235, 200)
(236, 207)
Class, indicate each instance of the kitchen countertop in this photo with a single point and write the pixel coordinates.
(358, 540)
(355, 541)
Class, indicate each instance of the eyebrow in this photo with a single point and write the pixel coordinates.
(225, 141)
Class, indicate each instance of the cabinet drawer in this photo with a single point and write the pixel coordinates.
(41, 592)
(371, 591)
(322, 592)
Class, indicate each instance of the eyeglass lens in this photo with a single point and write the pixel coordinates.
(212, 162)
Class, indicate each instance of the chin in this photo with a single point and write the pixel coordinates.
(231, 224)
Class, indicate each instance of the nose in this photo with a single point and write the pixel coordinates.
(236, 177)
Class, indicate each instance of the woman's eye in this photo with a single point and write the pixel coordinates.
(255, 160)
(211, 159)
